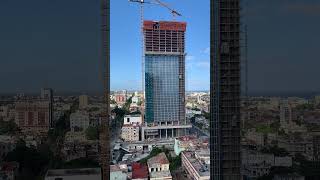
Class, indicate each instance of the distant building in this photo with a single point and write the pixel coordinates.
(79, 121)
(83, 101)
(159, 167)
(121, 97)
(47, 94)
(74, 174)
(33, 115)
(139, 171)
(316, 146)
(130, 132)
(116, 173)
(197, 166)
(256, 164)
(285, 113)
(136, 99)
(4, 111)
(132, 119)
(317, 100)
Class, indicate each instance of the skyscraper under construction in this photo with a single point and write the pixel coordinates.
(225, 90)
(164, 49)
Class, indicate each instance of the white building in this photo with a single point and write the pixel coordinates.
(79, 121)
(132, 119)
(74, 174)
(136, 100)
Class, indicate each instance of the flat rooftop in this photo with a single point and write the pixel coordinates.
(201, 168)
(164, 25)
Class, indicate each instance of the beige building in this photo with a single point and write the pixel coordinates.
(130, 132)
(83, 101)
(32, 116)
(158, 167)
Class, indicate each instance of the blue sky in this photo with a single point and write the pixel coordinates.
(46, 43)
(126, 41)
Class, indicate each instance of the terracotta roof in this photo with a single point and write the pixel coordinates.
(160, 158)
(139, 171)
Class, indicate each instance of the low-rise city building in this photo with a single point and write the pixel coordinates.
(116, 173)
(132, 119)
(158, 167)
(130, 132)
(79, 121)
(196, 164)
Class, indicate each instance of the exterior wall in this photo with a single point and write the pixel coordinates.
(132, 119)
(130, 133)
(162, 88)
(118, 175)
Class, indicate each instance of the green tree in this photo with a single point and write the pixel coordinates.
(92, 133)
(8, 127)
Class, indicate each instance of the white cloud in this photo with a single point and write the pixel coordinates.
(189, 58)
(202, 64)
(206, 50)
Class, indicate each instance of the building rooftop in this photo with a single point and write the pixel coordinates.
(165, 25)
(202, 168)
(159, 159)
(139, 171)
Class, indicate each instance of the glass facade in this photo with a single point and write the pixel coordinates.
(163, 100)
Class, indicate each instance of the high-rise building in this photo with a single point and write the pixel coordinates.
(164, 48)
(225, 90)
(164, 71)
(47, 94)
(285, 113)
